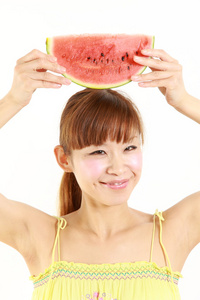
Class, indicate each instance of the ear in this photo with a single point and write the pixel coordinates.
(62, 159)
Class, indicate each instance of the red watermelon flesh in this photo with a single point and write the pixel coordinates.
(99, 60)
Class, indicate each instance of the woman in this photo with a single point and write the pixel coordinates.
(100, 248)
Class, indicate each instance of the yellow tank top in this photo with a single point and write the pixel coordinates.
(140, 280)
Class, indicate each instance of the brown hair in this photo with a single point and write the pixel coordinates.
(90, 117)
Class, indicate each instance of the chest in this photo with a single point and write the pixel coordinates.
(134, 245)
(131, 246)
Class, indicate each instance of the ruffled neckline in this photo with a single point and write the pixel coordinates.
(121, 266)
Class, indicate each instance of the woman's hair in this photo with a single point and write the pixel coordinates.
(90, 117)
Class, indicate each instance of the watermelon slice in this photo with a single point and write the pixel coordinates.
(99, 60)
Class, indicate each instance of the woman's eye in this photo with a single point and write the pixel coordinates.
(129, 148)
(98, 152)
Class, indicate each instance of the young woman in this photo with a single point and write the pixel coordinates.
(100, 248)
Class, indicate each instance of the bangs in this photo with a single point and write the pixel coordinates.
(95, 116)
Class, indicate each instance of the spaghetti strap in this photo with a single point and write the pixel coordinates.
(160, 216)
(60, 225)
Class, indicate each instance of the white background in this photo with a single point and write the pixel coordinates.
(28, 169)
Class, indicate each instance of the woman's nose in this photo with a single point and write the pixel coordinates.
(116, 166)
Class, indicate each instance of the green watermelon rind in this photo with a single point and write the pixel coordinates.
(93, 86)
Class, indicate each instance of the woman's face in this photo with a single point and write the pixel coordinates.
(107, 174)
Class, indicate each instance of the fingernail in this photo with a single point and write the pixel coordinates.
(53, 58)
(56, 85)
(138, 58)
(135, 78)
(62, 69)
(146, 50)
(67, 81)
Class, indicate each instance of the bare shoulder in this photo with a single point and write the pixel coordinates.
(185, 217)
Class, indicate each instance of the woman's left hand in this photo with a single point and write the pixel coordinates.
(166, 75)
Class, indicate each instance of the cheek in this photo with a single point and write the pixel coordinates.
(136, 161)
(92, 168)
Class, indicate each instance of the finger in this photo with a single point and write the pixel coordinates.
(151, 76)
(48, 77)
(157, 83)
(45, 84)
(42, 63)
(159, 54)
(156, 64)
(34, 54)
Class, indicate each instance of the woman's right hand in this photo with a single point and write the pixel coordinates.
(31, 72)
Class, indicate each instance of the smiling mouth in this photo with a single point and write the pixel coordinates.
(116, 184)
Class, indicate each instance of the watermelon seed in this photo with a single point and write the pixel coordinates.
(126, 54)
(123, 57)
(101, 60)
(128, 68)
(94, 60)
(89, 57)
(112, 60)
(107, 60)
(102, 54)
(136, 52)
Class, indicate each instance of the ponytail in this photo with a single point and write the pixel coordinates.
(69, 195)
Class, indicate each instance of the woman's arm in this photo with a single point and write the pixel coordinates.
(190, 107)
(30, 74)
(167, 76)
(8, 109)
(21, 223)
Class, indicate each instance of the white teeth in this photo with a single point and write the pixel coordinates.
(116, 183)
